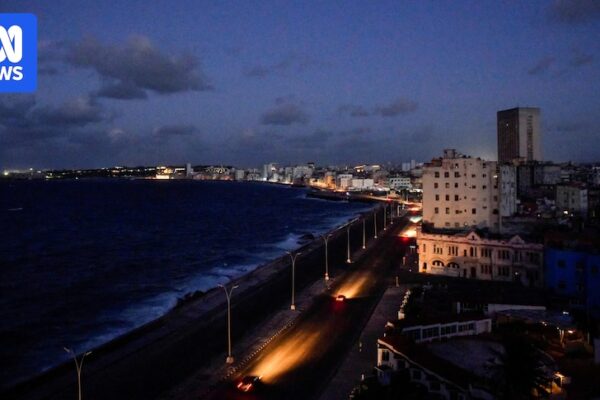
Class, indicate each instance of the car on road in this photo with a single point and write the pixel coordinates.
(340, 298)
(248, 383)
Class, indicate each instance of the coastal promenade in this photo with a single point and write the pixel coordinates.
(157, 357)
(299, 363)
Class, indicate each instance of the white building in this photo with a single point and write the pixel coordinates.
(399, 182)
(471, 255)
(362, 184)
(302, 171)
(343, 181)
(460, 192)
(240, 174)
(268, 170)
(572, 198)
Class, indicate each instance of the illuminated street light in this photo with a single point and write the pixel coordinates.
(326, 239)
(228, 294)
(375, 224)
(364, 234)
(78, 366)
(348, 260)
(293, 257)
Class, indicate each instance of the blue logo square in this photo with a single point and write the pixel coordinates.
(18, 53)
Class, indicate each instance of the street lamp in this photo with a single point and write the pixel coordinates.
(384, 217)
(375, 223)
(293, 257)
(228, 294)
(326, 239)
(78, 366)
(348, 260)
(364, 234)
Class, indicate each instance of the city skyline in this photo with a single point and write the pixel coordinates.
(246, 84)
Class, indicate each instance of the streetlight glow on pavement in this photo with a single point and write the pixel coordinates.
(289, 355)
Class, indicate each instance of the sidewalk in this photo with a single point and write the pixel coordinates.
(362, 358)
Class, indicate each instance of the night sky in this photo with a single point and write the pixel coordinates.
(245, 83)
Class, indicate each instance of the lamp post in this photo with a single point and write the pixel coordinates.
(326, 240)
(385, 217)
(293, 257)
(348, 259)
(364, 234)
(229, 359)
(78, 366)
(375, 224)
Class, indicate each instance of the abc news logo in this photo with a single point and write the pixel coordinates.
(11, 40)
(18, 52)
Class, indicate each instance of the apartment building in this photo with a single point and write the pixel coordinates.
(572, 198)
(461, 192)
(477, 255)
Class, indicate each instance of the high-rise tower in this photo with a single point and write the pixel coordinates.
(519, 135)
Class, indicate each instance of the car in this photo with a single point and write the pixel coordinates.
(248, 383)
(341, 298)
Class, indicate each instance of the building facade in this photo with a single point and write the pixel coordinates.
(572, 198)
(507, 181)
(474, 256)
(399, 182)
(460, 192)
(519, 136)
(575, 275)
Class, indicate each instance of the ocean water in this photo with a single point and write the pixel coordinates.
(82, 262)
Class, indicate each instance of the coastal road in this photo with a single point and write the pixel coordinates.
(299, 363)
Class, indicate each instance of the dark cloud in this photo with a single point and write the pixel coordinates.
(122, 91)
(574, 11)
(23, 122)
(137, 66)
(175, 130)
(15, 108)
(78, 112)
(50, 56)
(23, 111)
(353, 110)
(314, 140)
(541, 66)
(580, 59)
(284, 113)
(397, 107)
